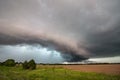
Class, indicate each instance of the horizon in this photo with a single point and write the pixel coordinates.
(52, 31)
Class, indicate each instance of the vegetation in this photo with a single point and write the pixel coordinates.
(8, 71)
(50, 73)
(29, 65)
(9, 63)
(25, 65)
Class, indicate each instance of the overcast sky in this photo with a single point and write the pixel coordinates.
(55, 31)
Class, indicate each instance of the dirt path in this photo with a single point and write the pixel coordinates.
(106, 68)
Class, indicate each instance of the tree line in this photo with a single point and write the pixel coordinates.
(25, 65)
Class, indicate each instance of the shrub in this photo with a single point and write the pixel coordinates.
(29, 65)
(0, 63)
(25, 65)
(9, 62)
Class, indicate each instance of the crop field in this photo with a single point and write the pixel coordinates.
(52, 72)
(100, 68)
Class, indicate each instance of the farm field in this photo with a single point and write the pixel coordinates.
(100, 68)
(53, 72)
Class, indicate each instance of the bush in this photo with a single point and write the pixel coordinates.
(9, 62)
(25, 65)
(0, 63)
(29, 65)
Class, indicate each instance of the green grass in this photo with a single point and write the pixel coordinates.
(50, 73)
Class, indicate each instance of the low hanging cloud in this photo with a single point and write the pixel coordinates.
(68, 49)
(24, 52)
(77, 29)
(105, 43)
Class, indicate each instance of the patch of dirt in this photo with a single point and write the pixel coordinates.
(101, 68)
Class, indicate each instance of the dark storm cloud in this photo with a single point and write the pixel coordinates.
(65, 50)
(80, 28)
(106, 43)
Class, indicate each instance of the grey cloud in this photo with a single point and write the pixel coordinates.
(80, 27)
(105, 43)
(24, 52)
(72, 53)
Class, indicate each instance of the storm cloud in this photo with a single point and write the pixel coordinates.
(64, 46)
(75, 29)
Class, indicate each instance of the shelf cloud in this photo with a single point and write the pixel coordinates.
(75, 30)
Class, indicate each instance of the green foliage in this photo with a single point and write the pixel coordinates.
(29, 65)
(0, 63)
(9, 62)
(25, 65)
(48, 73)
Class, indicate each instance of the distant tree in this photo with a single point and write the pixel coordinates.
(0, 63)
(16, 62)
(32, 64)
(29, 65)
(25, 65)
(9, 62)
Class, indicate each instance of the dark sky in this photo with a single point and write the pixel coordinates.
(55, 31)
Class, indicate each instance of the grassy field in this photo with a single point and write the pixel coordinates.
(51, 73)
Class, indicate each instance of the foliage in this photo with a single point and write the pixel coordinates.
(9, 62)
(29, 65)
(25, 65)
(48, 73)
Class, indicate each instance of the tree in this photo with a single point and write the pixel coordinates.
(32, 64)
(29, 65)
(25, 65)
(9, 62)
(0, 63)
